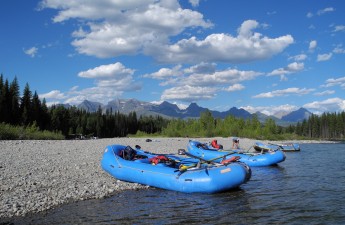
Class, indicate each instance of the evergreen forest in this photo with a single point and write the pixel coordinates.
(27, 116)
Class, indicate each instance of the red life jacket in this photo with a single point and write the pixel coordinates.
(214, 144)
(157, 159)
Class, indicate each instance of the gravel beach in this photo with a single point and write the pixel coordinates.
(38, 175)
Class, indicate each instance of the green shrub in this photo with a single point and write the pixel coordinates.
(9, 132)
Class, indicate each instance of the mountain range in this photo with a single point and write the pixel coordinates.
(169, 110)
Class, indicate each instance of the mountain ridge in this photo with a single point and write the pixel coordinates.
(170, 110)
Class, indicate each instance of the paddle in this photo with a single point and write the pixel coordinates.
(210, 161)
(184, 168)
(249, 148)
(226, 150)
(242, 151)
(183, 152)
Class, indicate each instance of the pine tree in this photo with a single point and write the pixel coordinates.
(5, 103)
(99, 123)
(1, 99)
(36, 109)
(1, 82)
(60, 119)
(14, 102)
(133, 122)
(45, 123)
(25, 106)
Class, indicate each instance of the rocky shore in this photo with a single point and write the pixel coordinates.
(38, 175)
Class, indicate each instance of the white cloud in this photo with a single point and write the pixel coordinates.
(75, 96)
(175, 75)
(265, 26)
(203, 74)
(310, 15)
(202, 68)
(74, 88)
(54, 94)
(124, 27)
(115, 75)
(271, 13)
(123, 84)
(189, 93)
(165, 73)
(312, 45)
(194, 3)
(246, 28)
(271, 110)
(284, 92)
(51, 103)
(90, 9)
(79, 33)
(116, 70)
(323, 93)
(295, 67)
(246, 47)
(235, 87)
(111, 81)
(220, 78)
(331, 104)
(334, 82)
(289, 69)
(201, 77)
(31, 51)
(324, 57)
(339, 28)
(114, 28)
(97, 94)
(300, 57)
(312, 27)
(339, 49)
(325, 10)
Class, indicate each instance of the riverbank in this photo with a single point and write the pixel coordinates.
(39, 175)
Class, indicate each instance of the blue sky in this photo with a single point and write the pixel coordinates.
(267, 55)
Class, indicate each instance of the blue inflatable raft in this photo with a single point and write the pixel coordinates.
(288, 147)
(268, 158)
(172, 172)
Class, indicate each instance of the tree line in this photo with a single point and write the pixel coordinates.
(28, 110)
(326, 126)
(208, 126)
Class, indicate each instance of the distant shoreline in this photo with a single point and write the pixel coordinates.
(37, 175)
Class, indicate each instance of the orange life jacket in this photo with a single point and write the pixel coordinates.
(232, 159)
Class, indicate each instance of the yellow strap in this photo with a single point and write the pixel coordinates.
(184, 167)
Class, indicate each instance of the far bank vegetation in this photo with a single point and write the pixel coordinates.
(26, 116)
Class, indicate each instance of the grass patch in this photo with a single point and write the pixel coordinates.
(10, 132)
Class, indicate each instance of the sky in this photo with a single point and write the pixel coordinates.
(262, 55)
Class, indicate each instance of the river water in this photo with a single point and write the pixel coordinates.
(307, 188)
